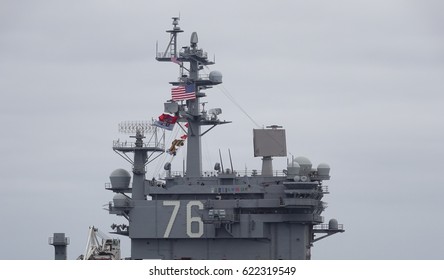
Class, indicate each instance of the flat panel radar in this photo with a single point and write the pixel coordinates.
(269, 142)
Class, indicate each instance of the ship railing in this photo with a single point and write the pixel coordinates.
(204, 77)
(243, 173)
(198, 52)
(164, 55)
(51, 241)
(230, 218)
(325, 189)
(326, 227)
(276, 173)
(127, 144)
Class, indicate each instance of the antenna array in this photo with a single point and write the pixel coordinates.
(136, 126)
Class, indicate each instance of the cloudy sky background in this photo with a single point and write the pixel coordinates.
(356, 84)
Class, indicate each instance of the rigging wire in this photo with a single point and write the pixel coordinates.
(233, 100)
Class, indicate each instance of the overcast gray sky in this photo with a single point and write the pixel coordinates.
(356, 84)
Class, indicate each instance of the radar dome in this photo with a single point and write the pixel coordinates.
(215, 77)
(194, 40)
(120, 200)
(323, 169)
(305, 164)
(333, 224)
(120, 179)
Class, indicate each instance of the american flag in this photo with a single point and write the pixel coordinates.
(185, 92)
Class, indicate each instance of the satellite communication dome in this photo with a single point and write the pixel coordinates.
(305, 164)
(333, 224)
(120, 200)
(216, 77)
(120, 179)
(323, 169)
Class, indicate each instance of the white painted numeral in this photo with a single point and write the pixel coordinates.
(176, 205)
(189, 218)
(197, 220)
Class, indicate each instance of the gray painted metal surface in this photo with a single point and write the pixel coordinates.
(221, 214)
(60, 243)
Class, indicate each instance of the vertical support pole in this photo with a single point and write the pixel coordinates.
(60, 243)
(267, 166)
(194, 150)
(140, 157)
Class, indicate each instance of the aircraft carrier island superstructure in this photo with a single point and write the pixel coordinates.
(221, 214)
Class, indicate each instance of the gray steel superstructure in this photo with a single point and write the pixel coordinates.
(220, 214)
